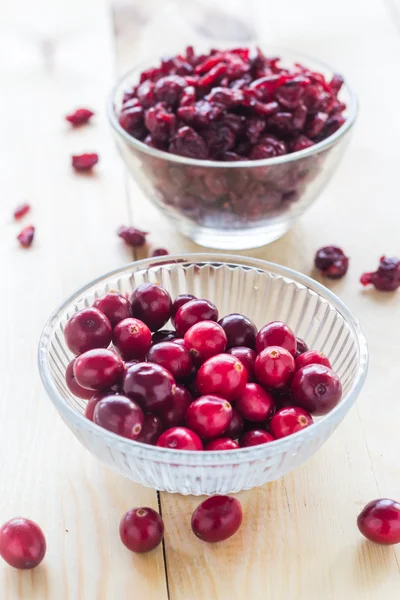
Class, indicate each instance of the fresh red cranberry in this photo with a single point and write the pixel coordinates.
(132, 236)
(178, 302)
(235, 427)
(151, 304)
(223, 443)
(115, 306)
(209, 416)
(332, 262)
(180, 438)
(80, 116)
(276, 334)
(301, 347)
(163, 335)
(274, 367)
(120, 415)
(98, 369)
(247, 356)
(73, 385)
(131, 338)
(193, 312)
(159, 252)
(22, 543)
(240, 330)
(316, 388)
(222, 375)
(379, 521)
(25, 237)
(255, 437)
(152, 428)
(289, 420)
(141, 529)
(84, 162)
(173, 357)
(150, 385)
(87, 329)
(21, 211)
(91, 405)
(386, 278)
(312, 357)
(205, 339)
(255, 403)
(174, 413)
(217, 518)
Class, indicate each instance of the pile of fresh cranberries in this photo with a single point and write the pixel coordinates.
(207, 384)
(231, 105)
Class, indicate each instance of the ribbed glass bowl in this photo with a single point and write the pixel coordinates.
(264, 292)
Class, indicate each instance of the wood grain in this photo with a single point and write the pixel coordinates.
(45, 473)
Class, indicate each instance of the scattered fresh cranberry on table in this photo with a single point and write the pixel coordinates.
(85, 162)
(332, 262)
(22, 543)
(217, 518)
(21, 211)
(141, 529)
(25, 237)
(379, 521)
(80, 116)
(132, 236)
(386, 278)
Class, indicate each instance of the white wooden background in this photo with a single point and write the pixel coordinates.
(299, 539)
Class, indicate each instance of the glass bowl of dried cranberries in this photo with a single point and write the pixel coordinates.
(203, 373)
(232, 145)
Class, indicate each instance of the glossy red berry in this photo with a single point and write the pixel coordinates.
(180, 438)
(276, 334)
(25, 237)
(152, 428)
(255, 403)
(222, 375)
(240, 330)
(151, 304)
(22, 543)
(98, 369)
(174, 412)
(115, 306)
(87, 329)
(173, 357)
(255, 437)
(247, 356)
(178, 302)
(120, 415)
(235, 427)
(312, 357)
(141, 529)
(91, 405)
(80, 116)
(205, 339)
(209, 416)
(85, 162)
(379, 521)
(289, 420)
(73, 385)
(131, 338)
(193, 312)
(217, 518)
(316, 388)
(222, 443)
(150, 385)
(163, 335)
(301, 346)
(274, 367)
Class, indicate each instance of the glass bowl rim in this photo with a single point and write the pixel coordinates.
(214, 457)
(286, 158)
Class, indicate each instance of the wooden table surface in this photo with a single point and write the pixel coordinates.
(299, 539)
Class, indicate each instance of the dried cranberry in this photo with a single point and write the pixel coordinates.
(85, 162)
(132, 236)
(169, 89)
(188, 143)
(21, 211)
(386, 278)
(25, 237)
(80, 117)
(332, 261)
(159, 252)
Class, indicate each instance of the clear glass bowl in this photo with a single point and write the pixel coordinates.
(233, 205)
(259, 289)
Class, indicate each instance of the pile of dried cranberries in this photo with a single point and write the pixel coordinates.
(205, 385)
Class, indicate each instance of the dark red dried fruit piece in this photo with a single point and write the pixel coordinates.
(160, 122)
(188, 143)
(26, 236)
(387, 276)
(84, 162)
(21, 211)
(159, 252)
(132, 236)
(80, 117)
(332, 262)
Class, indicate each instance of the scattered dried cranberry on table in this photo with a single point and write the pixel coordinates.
(21, 211)
(80, 116)
(132, 236)
(85, 162)
(332, 262)
(386, 278)
(26, 236)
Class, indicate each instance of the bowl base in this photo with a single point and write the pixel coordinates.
(241, 239)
